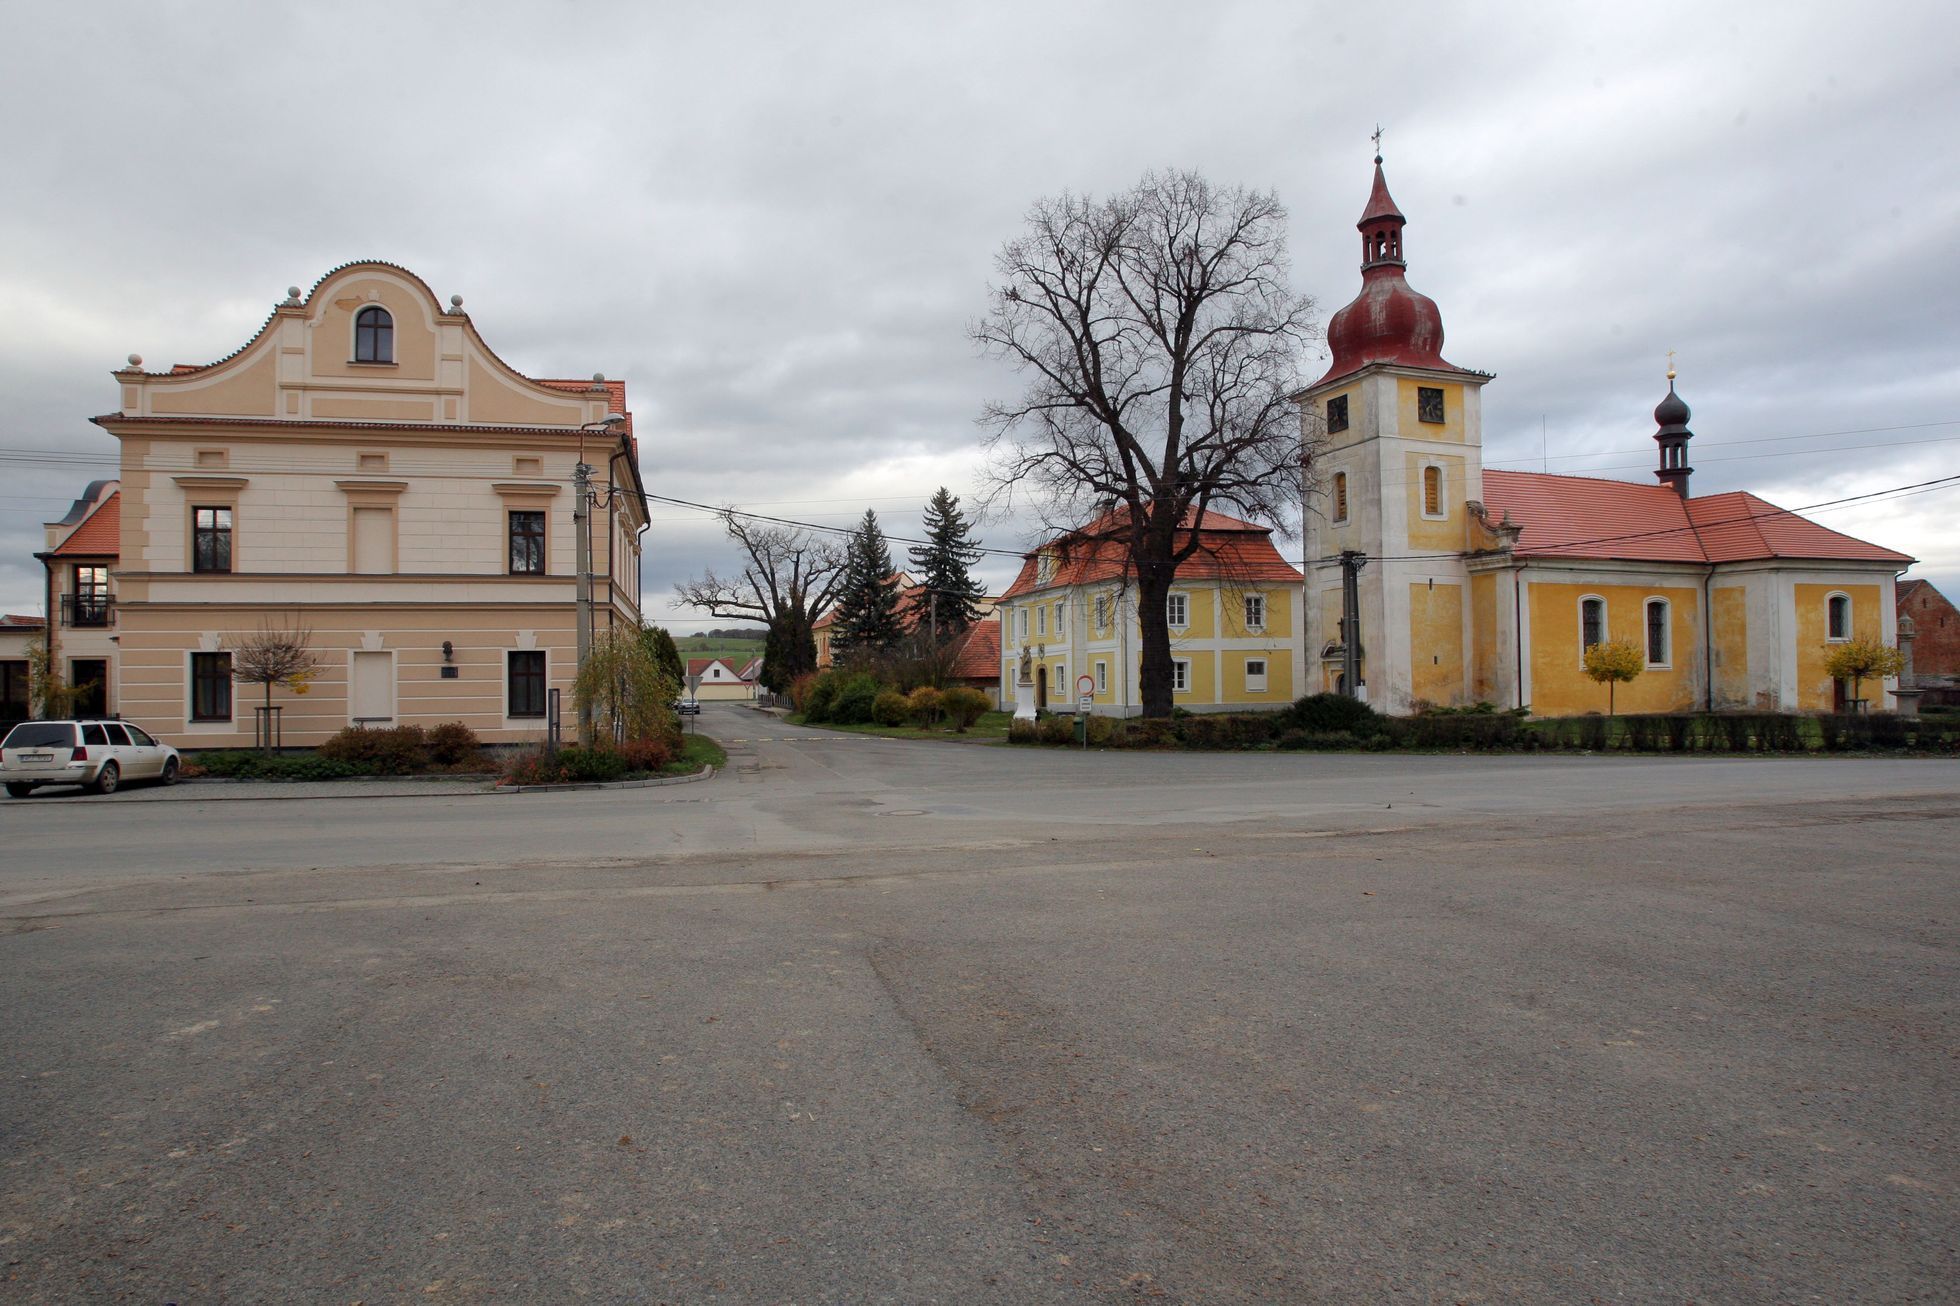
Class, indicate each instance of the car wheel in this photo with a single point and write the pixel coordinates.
(109, 778)
(170, 771)
(19, 791)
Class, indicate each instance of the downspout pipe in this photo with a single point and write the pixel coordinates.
(1707, 642)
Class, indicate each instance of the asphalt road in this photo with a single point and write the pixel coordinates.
(863, 1020)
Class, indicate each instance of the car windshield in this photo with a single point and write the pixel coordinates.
(41, 734)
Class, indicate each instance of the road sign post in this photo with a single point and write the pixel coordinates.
(694, 697)
(1085, 701)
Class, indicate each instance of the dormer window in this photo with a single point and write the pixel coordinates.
(374, 336)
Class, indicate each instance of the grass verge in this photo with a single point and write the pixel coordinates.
(697, 751)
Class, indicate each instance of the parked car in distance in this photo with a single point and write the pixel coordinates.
(687, 707)
(98, 754)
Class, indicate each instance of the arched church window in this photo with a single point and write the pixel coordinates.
(1838, 617)
(1432, 491)
(1340, 496)
(1592, 623)
(374, 336)
(1657, 632)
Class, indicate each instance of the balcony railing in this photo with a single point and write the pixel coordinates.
(88, 610)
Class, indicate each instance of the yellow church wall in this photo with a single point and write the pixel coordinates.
(1445, 532)
(1559, 685)
(1729, 631)
(1436, 642)
(1483, 638)
(1412, 427)
(1814, 688)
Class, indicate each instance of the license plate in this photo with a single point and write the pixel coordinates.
(37, 757)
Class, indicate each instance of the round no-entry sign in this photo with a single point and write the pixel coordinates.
(1085, 688)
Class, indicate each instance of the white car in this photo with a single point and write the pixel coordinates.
(99, 754)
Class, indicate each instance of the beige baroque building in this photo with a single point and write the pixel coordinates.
(366, 469)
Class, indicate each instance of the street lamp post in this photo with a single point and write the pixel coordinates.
(582, 530)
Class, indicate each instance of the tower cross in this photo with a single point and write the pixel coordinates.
(1377, 139)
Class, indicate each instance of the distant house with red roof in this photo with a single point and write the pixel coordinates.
(1486, 585)
(81, 557)
(1233, 612)
(18, 635)
(720, 680)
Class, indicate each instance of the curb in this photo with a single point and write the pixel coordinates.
(657, 782)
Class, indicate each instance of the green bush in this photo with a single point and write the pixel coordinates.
(402, 750)
(1020, 731)
(573, 765)
(964, 706)
(1297, 740)
(1461, 730)
(1057, 729)
(454, 744)
(816, 695)
(243, 764)
(890, 708)
(647, 755)
(926, 706)
(856, 701)
(1332, 713)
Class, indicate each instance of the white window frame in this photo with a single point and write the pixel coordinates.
(1442, 492)
(1041, 620)
(1102, 612)
(1260, 687)
(1605, 623)
(1667, 633)
(1102, 677)
(1177, 610)
(1180, 675)
(1044, 567)
(1021, 624)
(394, 683)
(1061, 616)
(1849, 624)
(1250, 622)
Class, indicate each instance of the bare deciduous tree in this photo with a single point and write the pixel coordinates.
(274, 657)
(789, 578)
(1162, 341)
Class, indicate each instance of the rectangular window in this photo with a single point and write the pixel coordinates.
(1102, 612)
(1337, 417)
(1178, 611)
(1657, 634)
(1102, 677)
(211, 542)
(1181, 675)
(210, 686)
(1061, 616)
(1255, 675)
(1340, 496)
(13, 691)
(1429, 403)
(91, 605)
(1021, 624)
(1041, 620)
(526, 690)
(527, 543)
(1255, 612)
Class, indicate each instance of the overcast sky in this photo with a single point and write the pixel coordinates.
(777, 220)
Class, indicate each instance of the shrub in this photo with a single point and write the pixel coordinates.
(573, 765)
(1020, 731)
(1332, 713)
(1057, 729)
(402, 750)
(1469, 729)
(242, 764)
(815, 695)
(1297, 740)
(927, 705)
(647, 755)
(891, 708)
(453, 744)
(856, 701)
(964, 706)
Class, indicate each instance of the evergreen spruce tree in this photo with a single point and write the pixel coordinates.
(867, 602)
(666, 653)
(943, 561)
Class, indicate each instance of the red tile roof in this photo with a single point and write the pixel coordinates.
(1583, 517)
(20, 622)
(1228, 549)
(616, 390)
(100, 535)
(978, 656)
(699, 666)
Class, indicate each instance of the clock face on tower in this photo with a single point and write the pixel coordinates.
(1429, 403)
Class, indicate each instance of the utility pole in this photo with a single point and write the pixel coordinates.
(581, 529)
(1352, 561)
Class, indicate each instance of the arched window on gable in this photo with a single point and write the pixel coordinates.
(374, 335)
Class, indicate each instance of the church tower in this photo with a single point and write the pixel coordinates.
(1393, 435)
